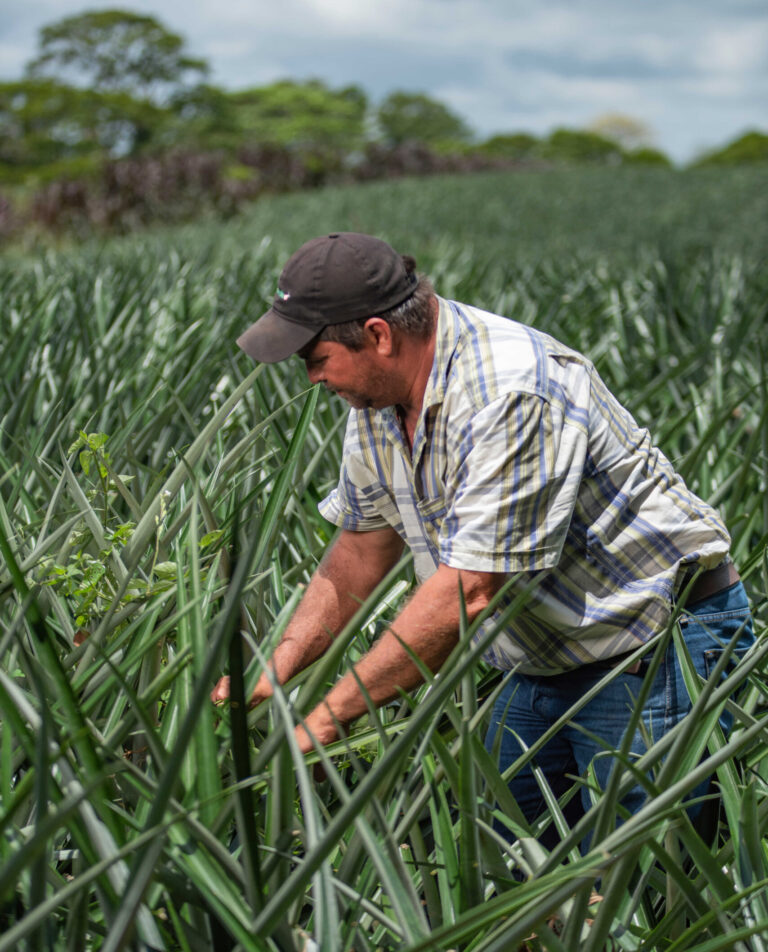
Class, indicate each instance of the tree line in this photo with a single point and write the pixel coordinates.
(114, 120)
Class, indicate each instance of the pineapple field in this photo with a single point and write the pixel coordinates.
(158, 524)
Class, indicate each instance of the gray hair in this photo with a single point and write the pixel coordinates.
(412, 317)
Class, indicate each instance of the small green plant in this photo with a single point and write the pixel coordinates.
(85, 579)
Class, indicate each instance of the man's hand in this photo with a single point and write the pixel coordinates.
(322, 728)
(349, 572)
(428, 626)
(220, 693)
(261, 692)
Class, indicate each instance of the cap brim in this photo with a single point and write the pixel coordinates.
(274, 338)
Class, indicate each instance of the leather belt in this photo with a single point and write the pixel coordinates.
(707, 583)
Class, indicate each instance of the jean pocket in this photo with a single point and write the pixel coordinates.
(733, 618)
(713, 655)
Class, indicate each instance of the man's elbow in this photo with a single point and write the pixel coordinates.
(478, 589)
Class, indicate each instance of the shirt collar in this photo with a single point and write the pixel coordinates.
(447, 341)
(447, 338)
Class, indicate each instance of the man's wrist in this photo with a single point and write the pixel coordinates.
(322, 725)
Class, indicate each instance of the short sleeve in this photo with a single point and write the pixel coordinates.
(359, 502)
(513, 487)
(353, 506)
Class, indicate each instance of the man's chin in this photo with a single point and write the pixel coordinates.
(355, 401)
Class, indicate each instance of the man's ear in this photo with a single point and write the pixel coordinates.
(381, 336)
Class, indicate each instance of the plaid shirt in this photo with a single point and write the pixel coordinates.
(524, 462)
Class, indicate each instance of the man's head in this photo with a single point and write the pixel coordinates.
(330, 288)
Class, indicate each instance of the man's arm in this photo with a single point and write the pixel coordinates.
(429, 624)
(347, 575)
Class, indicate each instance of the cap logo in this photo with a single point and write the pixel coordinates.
(283, 295)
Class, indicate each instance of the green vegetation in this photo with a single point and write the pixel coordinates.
(157, 494)
(119, 51)
(103, 84)
(111, 83)
(114, 126)
(496, 222)
(749, 149)
(413, 117)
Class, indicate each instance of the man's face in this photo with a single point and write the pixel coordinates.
(357, 376)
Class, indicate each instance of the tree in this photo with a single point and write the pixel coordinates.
(49, 128)
(310, 125)
(579, 147)
(203, 117)
(511, 146)
(748, 149)
(646, 157)
(116, 51)
(302, 115)
(626, 131)
(413, 117)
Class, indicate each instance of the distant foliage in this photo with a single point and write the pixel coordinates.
(180, 185)
(414, 117)
(630, 133)
(516, 147)
(319, 126)
(646, 156)
(571, 145)
(415, 158)
(112, 100)
(135, 192)
(8, 223)
(301, 115)
(49, 129)
(748, 149)
(117, 51)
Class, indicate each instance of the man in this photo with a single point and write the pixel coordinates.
(492, 451)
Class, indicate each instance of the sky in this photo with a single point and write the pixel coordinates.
(695, 72)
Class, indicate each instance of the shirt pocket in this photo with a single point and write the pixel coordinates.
(431, 513)
(432, 510)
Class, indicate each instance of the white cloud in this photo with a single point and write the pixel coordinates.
(353, 16)
(736, 50)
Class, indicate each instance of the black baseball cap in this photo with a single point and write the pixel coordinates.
(329, 280)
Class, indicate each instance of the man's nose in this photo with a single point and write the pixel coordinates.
(313, 373)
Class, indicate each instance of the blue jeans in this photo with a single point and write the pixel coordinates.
(533, 703)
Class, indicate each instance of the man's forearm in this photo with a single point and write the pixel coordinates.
(348, 573)
(429, 625)
(322, 613)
